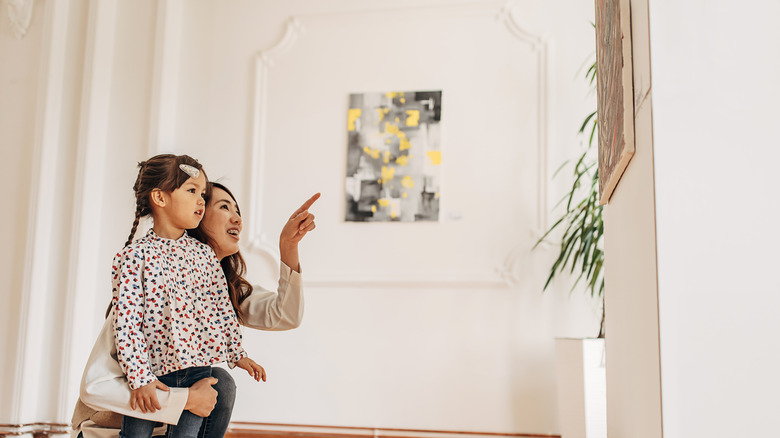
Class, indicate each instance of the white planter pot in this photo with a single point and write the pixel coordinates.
(582, 387)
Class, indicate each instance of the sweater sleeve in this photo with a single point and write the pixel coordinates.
(128, 314)
(276, 310)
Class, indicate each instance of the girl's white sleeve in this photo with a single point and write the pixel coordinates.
(104, 386)
(280, 310)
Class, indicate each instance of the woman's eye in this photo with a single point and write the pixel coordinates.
(191, 190)
(224, 207)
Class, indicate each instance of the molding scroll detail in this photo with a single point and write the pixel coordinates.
(20, 16)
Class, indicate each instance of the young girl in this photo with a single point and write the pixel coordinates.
(172, 315)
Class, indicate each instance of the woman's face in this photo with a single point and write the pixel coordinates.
(222, 223)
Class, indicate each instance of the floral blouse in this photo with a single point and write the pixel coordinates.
(171, 309)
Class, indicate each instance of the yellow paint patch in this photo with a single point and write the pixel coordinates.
(373, 153)
(391, 128)
(435, 157)
(373, 209)
(354, 114)
(380, 113)
(386, 157)
(402, 160)
(390, 94)
(403, 100)
(407, 182)
(383, 202)
(405, 144)
(404, 195)
(387, 174)
(401, 135)
(412, 117)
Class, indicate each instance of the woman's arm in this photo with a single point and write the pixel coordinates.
(104, 386)
(280, 310)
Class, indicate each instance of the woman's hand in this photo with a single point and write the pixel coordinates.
(145, 397)
(300, 223)
(201, 397)
(256, 371)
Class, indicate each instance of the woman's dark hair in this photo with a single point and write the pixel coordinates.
(159, 172)
(233, 265)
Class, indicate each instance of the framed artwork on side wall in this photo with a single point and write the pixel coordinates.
(615, 93)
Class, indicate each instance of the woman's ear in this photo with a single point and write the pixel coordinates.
(157, 198)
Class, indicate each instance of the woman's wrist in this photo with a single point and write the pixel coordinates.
(289, 254)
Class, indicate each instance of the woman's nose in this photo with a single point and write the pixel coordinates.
(236, 219)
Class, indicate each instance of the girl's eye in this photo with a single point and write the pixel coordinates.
(191, 190)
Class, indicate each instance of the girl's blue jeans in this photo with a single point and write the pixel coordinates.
(191, 425)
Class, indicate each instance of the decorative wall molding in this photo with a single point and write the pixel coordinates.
(88, 188)
(165, 76)
(20, 16)
(539, 44)
(42, 212)
(504, 13)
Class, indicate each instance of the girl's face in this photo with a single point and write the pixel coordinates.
(184, 207)
(222, 223)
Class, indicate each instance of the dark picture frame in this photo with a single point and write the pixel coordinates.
(615, 93)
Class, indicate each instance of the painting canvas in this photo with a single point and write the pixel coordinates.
(393, 157)
(615, 93)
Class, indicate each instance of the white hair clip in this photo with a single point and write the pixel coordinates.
(189, 170)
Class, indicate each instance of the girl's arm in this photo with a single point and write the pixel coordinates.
(127, 315)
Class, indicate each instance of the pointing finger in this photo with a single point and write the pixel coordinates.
(308, 203)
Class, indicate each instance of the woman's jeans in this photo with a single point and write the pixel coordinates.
(216, 424)
(191, 425)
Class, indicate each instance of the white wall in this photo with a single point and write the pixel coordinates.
(692, 298)
(715, 94)
(421, 353)
(418, 355)
(633, 371)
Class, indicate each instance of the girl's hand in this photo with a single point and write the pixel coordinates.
(145, 397)
(256, 371)
(300, 223)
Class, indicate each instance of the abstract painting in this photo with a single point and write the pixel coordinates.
(393, 157)
(615, 93)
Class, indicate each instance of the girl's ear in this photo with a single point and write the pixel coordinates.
(157, 198)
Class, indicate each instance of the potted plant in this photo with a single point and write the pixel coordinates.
(580, 362)
(581, 247)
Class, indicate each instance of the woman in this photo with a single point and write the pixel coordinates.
(103, 386)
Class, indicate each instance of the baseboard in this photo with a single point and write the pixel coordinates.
(240, 429)
(33, 430)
